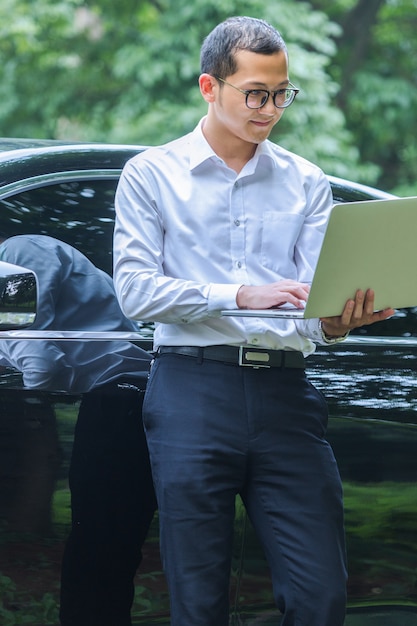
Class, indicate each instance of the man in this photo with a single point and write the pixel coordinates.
(112, 496)
(218, 219)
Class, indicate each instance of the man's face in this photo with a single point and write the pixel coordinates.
(255, 71)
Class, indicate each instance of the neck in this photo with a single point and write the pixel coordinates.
(234, 152)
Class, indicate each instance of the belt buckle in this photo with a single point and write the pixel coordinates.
(249, 357)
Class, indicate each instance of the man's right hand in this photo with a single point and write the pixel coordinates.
(273, 295)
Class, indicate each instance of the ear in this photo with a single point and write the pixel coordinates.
(208, 86)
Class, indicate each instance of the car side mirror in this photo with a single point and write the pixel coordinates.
(18, 296)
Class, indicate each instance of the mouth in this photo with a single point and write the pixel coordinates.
(262, 124)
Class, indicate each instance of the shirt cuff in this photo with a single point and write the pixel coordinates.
(317, 334)
(327, 339)
(222, 297)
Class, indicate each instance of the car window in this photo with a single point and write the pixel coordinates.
(80, 213)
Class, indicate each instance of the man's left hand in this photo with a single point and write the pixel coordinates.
(357, 312)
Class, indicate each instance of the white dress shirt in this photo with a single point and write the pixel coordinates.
(190, 231)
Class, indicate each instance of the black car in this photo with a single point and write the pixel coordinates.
(66, 190)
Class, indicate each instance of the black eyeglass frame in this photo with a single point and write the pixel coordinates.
(247, 92)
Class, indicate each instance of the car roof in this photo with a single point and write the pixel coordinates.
(22, 159)
(36, 161)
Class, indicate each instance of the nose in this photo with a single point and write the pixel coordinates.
(269, 107)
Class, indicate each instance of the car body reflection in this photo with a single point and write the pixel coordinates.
(67, 192)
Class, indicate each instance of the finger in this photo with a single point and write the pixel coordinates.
(383, 315)
(358, 308)
(299, 303)
(296, 294)
(369, 307)
(347, 313)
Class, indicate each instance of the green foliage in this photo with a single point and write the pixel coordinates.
(383, 112)
(16, 609)
(127, 72)
(375, 65)
(380, 526)
(372, 509)
(163, 100)
(151, 597)
(384, 98)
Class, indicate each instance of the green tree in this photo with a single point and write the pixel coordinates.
(163, 100)
(127, 72)
(375, 67)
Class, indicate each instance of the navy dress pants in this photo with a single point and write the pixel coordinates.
(215, 430)
(113, 502)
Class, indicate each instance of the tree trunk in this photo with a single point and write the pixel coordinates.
(355, 41)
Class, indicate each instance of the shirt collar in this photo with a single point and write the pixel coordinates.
(201, 151)
(265, 149)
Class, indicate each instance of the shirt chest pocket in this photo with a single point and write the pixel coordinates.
(280, 232)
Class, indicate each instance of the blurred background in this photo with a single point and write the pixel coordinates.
(126, 71)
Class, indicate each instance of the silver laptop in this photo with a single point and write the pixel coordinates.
(367, 245)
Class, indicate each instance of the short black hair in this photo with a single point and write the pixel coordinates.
(237, 33)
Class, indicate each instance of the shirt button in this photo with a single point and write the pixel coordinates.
(239, 264)
(237, 222)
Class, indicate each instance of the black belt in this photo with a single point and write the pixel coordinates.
(242, 355)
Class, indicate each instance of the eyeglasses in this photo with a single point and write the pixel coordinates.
(257, 98)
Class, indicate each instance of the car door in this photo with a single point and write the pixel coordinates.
(369, 382)
(37, 427)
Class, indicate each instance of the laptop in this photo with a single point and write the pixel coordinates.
(370, 244)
